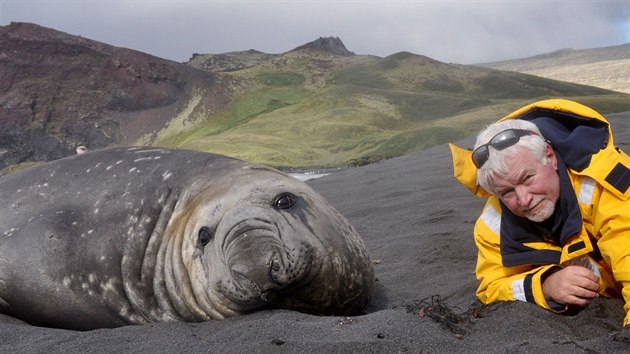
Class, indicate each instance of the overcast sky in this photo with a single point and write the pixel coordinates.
(463, 32)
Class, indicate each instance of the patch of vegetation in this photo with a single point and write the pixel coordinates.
(362, 75)
(281, 79)
(444, 84)
(418, 139)
(424, 107)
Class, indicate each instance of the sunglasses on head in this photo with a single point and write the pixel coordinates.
(502, 140)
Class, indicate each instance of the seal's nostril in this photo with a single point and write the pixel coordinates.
(275, 271)
(275, 264)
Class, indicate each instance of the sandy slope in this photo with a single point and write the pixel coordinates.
(611, 74)
(417, 222)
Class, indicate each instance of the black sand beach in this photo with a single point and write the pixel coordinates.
(417, 222)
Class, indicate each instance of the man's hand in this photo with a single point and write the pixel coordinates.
(573, 285)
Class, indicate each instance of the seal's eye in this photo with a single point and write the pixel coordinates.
(284, 201)
(204, 236)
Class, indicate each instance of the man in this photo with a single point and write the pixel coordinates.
(555, 230)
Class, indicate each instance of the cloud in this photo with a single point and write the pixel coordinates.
(451, 31)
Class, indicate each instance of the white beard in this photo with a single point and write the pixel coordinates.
(543, 211)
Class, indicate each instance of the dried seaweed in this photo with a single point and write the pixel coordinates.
(434, 308)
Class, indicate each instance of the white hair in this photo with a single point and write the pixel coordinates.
(496, 165)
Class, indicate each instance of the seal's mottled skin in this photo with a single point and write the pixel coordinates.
(137, 235)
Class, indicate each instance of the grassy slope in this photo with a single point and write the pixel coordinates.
(309, 109)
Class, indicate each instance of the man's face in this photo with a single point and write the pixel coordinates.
(530, 189)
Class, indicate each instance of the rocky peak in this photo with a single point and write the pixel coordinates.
(332, 45)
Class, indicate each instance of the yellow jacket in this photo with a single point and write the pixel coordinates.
(514, 258)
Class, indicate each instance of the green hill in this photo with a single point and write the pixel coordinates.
(310, 108)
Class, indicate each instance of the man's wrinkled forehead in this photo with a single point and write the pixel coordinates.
(515, 158)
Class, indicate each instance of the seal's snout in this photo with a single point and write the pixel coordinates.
(271, 271)
(262, 267)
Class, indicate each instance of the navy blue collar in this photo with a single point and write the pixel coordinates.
(565, 222)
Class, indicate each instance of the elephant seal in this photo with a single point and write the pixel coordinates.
(137, 235)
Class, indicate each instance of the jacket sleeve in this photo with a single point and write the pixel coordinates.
(611, 225)
(497, 282)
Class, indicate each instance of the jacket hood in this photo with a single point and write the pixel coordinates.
(576, 132)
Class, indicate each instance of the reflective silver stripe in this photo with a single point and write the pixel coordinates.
(492, 219)
(518, 290)
(595, 269)
(586, 190)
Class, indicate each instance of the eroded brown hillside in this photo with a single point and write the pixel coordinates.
(59, 91)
